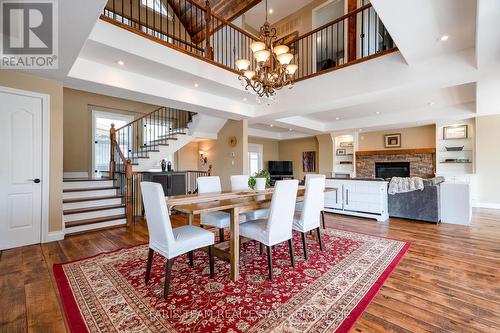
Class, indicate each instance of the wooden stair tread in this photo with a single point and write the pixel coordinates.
(92, 209)
(90, 189)
(95, 220)
(92, 198)
(90, 179)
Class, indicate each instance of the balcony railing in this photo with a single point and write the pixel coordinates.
(184, 25)
(348, 39)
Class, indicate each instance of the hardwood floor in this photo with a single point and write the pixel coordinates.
(449, 280)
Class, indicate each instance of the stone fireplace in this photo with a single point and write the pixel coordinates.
(422, 162)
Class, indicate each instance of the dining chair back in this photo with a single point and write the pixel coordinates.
(314, 203)
(239, 183)
(279, 223)
(209, 184)
(161, 237)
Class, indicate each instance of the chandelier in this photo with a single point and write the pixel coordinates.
(273, 70)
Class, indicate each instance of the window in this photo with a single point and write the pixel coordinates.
(155, 5)
(255, 158)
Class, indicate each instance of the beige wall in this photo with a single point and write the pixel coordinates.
(291, 150)
(54, 89)
(270, 149)
(300, 21)
(220, 154)
(488, 159)
(411, 138)
(78, 106)
(188, 157)
(325, 154)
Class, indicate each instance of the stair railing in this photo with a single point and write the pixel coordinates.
(122, 174)
(134, 141)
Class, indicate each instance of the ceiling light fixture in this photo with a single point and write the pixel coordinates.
(444, 38)
(272, 69)
(337, 118)
(244, 99)
(377, 112)
(120, 62)
(271, 125)
(290, 129)
(271, 10)
(196, 85)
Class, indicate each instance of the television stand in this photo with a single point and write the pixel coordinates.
(275, 178)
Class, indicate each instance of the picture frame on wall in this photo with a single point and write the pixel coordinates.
(392, 140)
(455, 132)
(309, 161)
(340, 152)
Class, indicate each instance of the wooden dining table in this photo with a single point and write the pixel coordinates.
(233, 203)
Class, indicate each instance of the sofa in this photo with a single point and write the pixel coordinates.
(418, 205)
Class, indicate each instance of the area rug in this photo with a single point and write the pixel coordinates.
(327, 293)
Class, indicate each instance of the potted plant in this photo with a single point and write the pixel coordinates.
(260, 180)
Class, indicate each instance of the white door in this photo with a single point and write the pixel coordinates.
(20, 170)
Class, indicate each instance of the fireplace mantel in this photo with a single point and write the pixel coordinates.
(397, 152)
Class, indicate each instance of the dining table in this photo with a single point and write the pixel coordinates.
(233, 203)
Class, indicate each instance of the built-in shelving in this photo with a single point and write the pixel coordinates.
(344, 162)
(460, 162)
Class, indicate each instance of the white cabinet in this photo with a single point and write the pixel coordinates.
(357, 197)
(455, 203)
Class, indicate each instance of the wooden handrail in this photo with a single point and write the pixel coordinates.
(337, 20)
(194, 46)
(146, 115)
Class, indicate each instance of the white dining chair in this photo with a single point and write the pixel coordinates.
(277, 228)
(308, 218)
(239, 183)
(219, 220)
(168, 242)
(299, 205)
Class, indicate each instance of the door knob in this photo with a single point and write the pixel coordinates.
(36, 180)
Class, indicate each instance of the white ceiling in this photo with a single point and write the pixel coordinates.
(404, 103)
(427, 80)
(256, 16)
(417, 27)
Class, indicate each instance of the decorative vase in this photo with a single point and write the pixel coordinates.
(260, 184)
(169, 166)
(163, 165)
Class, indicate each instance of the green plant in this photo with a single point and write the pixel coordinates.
(259, 174)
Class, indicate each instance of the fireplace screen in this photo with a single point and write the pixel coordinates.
(392, 169)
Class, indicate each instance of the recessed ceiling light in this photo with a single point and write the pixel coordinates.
(290, 129)
(444, 38)
(271, 10)
(337, 118)
(377, 112)
(271, 125)
(196, 85)
(244, 99)
(120, 62)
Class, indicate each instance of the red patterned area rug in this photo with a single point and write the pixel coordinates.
(327, 293)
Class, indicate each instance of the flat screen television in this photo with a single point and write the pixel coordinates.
(284, 168)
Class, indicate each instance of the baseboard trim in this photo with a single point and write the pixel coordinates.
(54, 236)
(486, 205)
(82, 174)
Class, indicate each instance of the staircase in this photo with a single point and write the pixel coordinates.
(91, 204)
(95, 203)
